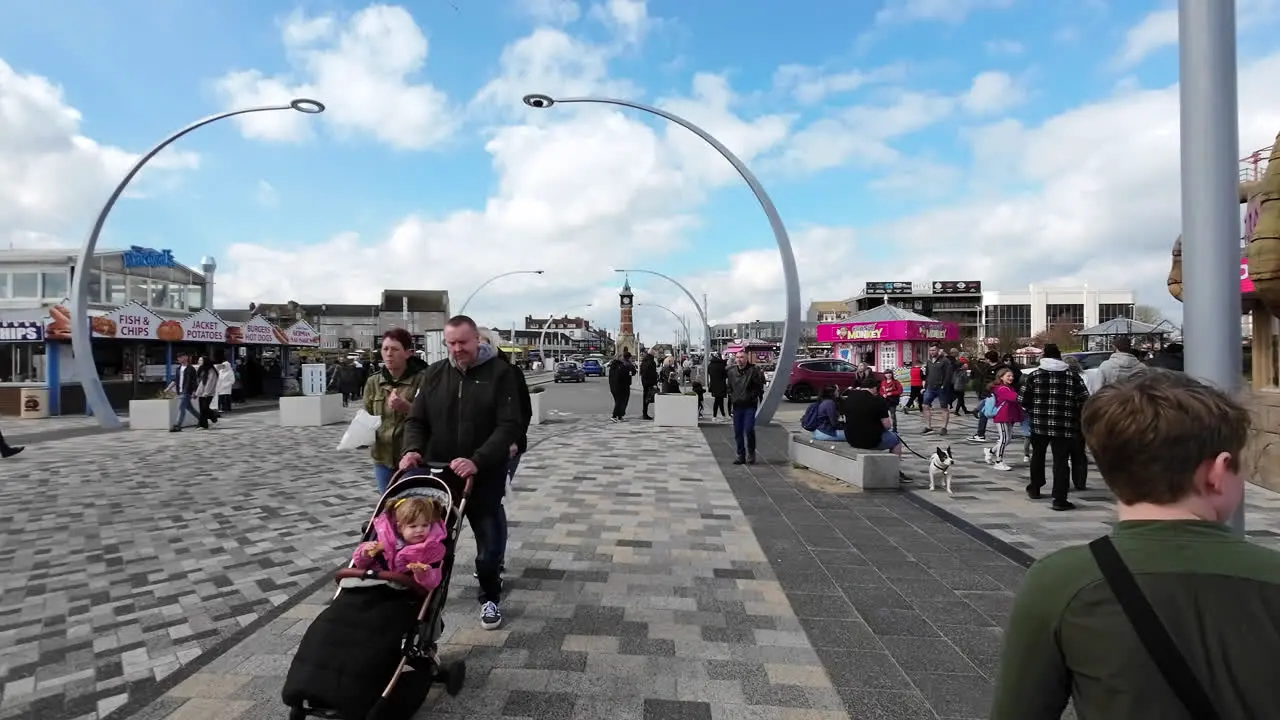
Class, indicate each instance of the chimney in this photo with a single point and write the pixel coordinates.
(208, 266)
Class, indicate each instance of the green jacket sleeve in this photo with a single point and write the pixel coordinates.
(495, 450)
(417, 425)
(1033, 682)
(370, 387)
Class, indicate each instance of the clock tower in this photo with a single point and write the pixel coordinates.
(626, 330)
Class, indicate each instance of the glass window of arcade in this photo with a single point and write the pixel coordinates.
(1111, 311)
(1070, 313)
(1008, 321)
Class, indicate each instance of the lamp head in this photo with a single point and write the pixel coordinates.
(538, 272)
(307, 106)
(539, 101)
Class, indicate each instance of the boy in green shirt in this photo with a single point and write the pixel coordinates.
(1170, 448)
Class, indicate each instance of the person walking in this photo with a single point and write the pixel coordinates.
(915, 379)
(959, 383)
(7, 450)
(939, 375)
(206, 392)
(746, 388)
(517, 449)
(1120, 365)
(349, 380)
(718, 385)
(184, 384)
(468, 414)
(1194, 636)
(648, 383)
(1052, 397)
(891, 391)
(388, 395)
(621, 370)
(226, 381)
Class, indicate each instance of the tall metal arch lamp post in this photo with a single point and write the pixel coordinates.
(702, 312)
(791, 330)
(483, 285)
(688, 335)
(81, 336)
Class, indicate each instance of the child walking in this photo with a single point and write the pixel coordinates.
(410, 540)
(1007, 414)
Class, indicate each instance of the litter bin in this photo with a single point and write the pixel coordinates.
(35, 403)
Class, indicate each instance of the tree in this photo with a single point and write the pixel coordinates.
(1061, 332)
(1147, 314)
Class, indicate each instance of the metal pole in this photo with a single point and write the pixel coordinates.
(683, 324)
(1210, 195)
(483, 285)
(81, 336)
(706, 329)
(791, 330)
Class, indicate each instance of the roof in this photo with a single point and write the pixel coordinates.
(1124, 326)
(888, 313)
(419, 301)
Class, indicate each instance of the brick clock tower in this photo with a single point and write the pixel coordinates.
(626, 330)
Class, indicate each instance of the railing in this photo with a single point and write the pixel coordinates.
(1253, 166)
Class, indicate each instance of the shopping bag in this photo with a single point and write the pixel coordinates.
(361, 432)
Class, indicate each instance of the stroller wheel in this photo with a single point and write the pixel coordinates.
(455, 678)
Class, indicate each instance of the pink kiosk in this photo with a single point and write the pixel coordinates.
(893, 336)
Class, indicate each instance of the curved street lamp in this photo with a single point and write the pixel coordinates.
(702, 313)
(542, 336)
(688, 335)
(791, 329)
(483, 285)
(81, 336)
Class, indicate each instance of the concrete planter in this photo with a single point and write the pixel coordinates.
(311, 410)
(539, 416)
(675, 410)
(152, 414)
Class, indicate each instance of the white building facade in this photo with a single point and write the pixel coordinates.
(1023, 313)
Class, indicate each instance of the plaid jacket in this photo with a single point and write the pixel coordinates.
(1053, 399)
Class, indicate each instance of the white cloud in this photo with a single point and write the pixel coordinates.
(362, 68)
(550, 61)
(992, 92)
(266, 194)
(862, 134)
(53, 179)
(629, 19)
(1155, 31)
(553, 12)
(809, 85)
(948, 11)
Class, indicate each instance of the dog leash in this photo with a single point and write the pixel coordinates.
(911, 449)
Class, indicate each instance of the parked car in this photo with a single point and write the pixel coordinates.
(592, 367)
(570, 372)
(810, 376)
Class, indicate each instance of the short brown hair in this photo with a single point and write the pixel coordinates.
(1151, 431)
(401, 336)
(416, 509)
(461, 320)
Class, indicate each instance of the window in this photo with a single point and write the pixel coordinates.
(93, 289)
(843, 367)
(25, 285)
(1111, 311)
(193, 297)
(888, 355)
(113, 290)
(22, 362)
(54, 284)
(1008, 321)
(1071, 314)
(820, 366)
(137, 289)
(4, 285)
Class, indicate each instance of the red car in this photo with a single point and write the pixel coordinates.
(810, 376)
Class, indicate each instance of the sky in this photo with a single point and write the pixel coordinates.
(1006, 141)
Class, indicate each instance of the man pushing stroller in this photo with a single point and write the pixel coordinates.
(468, 415)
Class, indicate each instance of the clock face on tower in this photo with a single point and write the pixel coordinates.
(626, 301)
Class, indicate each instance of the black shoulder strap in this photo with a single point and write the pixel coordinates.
(1155, 638)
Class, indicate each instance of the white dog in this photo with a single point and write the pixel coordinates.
(940, 463)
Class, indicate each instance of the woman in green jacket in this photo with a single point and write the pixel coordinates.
(388, 395)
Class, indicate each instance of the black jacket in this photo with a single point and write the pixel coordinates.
(718, 376)
(189, 381)
(648, 371)
(474, 415)
(526, 403)
(620, 373)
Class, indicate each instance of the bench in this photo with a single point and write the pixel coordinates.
(863, 469)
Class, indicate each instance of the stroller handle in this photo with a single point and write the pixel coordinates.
(434, 468)
(404, 580)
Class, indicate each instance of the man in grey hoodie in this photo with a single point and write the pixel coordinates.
(1120, 365)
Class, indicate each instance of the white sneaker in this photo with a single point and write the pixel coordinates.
(1026, 458)
(978, 439)
(986, 456)
(490, 616)
(1002, 466)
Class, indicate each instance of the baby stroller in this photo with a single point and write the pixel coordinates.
(371, 654)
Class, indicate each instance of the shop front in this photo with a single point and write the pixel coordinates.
(886, 343)
(135, 351)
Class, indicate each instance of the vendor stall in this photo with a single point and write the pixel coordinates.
(890, 335)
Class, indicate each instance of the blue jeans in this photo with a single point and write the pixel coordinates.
(838, 436)
(744, 429)
(982, 425)
(382, 476)
(186, 406)
(489, 526)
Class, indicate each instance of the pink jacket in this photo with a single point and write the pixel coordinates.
(428, 552)
(1006, 398)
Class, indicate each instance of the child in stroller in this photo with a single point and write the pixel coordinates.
(371, 654)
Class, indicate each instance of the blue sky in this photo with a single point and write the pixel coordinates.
(897, 178)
